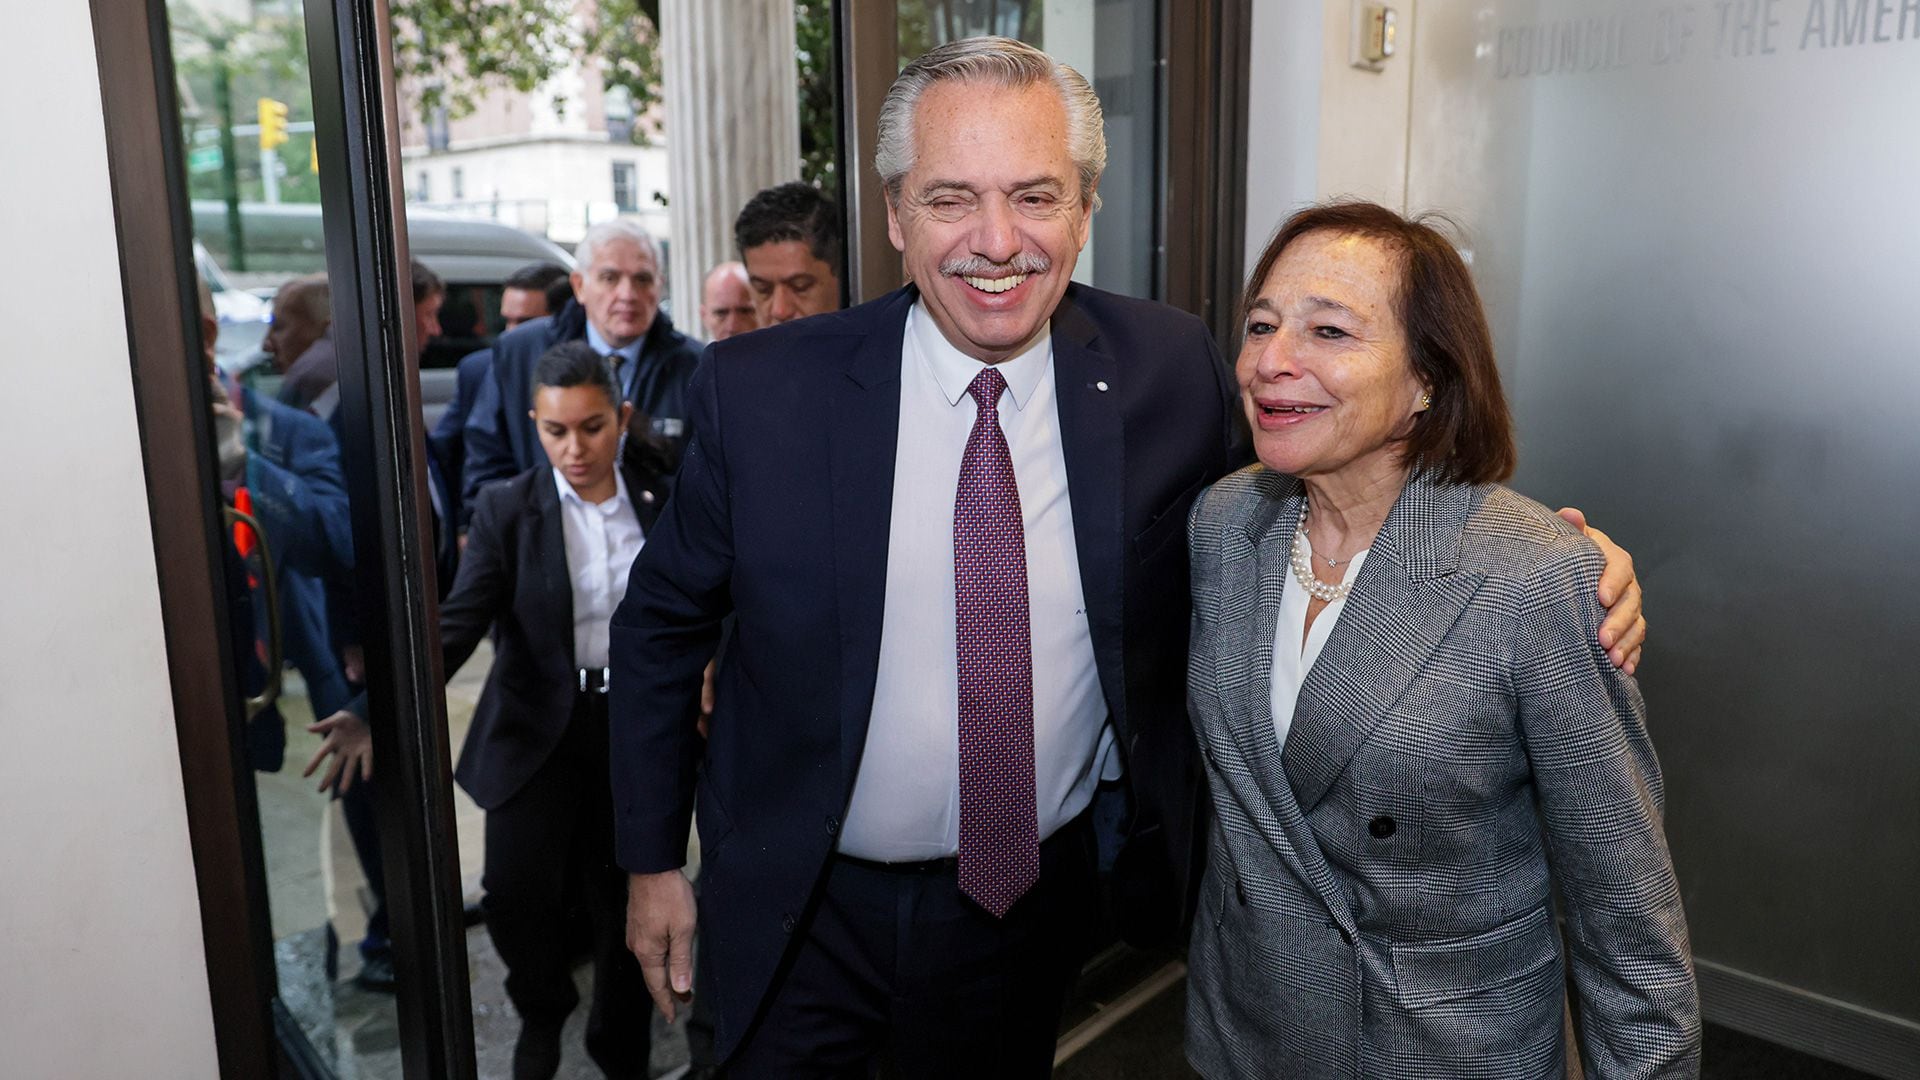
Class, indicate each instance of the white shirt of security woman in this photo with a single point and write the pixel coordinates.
(602, 540)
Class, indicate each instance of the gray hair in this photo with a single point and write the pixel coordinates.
(307, 297)
(1003, 62)
(614, 229)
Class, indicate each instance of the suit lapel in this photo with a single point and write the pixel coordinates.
(1084, 378)
(1245, 689)
(1409, 593)
(863, 435)
(547, 556)
(647, 494)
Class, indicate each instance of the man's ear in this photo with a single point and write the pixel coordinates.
(893, 227)
(209, 335)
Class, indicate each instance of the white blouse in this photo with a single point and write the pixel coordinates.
(602, 540)
(1293, 657)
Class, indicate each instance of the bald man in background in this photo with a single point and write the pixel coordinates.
(300, 340)
(726, 302)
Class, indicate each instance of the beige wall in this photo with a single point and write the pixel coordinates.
(1363, 114)
(102, 972)
(1320, 128)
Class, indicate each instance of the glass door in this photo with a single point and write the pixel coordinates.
(326, 207)
(276, 326)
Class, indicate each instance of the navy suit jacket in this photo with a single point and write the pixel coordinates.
(514, 580)
(300, 499)
(447, 441)
(781, 517)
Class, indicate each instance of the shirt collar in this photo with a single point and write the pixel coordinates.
(608, 508)
(630, 350)
(954, 370)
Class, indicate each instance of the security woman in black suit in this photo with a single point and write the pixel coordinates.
(545, 564)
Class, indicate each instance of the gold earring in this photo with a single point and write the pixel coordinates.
(1426, 401)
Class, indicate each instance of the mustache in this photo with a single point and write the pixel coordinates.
(1027, 262)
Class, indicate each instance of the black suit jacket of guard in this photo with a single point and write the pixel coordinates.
(514, 576)
(781, 517)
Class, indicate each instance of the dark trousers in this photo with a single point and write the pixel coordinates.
(897, 974)
(702, 1054)
(554, 833)
(356, 806)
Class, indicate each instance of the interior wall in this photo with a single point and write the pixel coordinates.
(1320, 128)
(1284, 76)
(1362, 150)
(1694, 228)
(1706, 267)
(102, 972)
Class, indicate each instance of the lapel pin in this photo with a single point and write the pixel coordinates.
(1101, 386)
(646, 496)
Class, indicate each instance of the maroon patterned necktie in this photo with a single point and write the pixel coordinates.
(999, 827)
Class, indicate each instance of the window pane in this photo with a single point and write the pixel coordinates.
(247, 118)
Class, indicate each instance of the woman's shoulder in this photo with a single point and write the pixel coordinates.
(1238, 496)
(1508, 535)
(503, 501)
(1246, 488)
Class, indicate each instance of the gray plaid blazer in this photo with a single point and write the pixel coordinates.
(1378, 895)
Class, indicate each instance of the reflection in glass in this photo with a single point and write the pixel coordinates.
(266, 319)
(514, 145)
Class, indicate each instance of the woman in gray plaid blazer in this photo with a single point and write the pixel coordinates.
(1411, 732)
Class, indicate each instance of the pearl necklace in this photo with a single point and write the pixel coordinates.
(1303, 567)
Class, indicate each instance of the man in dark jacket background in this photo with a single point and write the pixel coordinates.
(616, 309)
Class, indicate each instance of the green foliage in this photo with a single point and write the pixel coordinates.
(262, 57)
(451, 52)
(624, 40)
(819, 135)
(448, 53)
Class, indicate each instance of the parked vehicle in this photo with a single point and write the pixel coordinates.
(283, 240)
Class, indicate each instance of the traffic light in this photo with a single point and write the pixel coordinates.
(273, 123)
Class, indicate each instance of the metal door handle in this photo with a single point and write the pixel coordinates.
(276, 654)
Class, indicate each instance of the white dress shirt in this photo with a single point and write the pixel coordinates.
(1292, 657)
(602, 540)
(906, 798)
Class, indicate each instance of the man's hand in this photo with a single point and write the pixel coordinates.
(660, 935)
(353, 664)
(349, 743)
(707, 697)
(1625, 630)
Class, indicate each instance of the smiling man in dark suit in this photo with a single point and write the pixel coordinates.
(950, 527)
(931, 515)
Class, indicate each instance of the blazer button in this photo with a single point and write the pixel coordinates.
(786, 922)
(1381, 827)
(1240, 890)
(833, 825)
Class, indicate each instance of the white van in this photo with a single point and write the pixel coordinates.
(284, 240)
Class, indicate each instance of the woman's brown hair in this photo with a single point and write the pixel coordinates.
(1466, 437)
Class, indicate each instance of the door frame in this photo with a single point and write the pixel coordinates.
(137, 90)
(383, 450)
